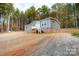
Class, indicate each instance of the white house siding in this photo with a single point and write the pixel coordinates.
(51, 25)
(38, 25)
(55, 26)
(28, 28)
(47, 25)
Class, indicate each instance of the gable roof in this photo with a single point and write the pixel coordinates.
(52, 19)
(49, 18)
(55, 19)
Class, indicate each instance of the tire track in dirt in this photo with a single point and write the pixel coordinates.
(26, 47)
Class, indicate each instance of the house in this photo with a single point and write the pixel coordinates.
(44, 25)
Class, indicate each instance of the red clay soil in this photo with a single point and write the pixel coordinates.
(20, 51)
(28, 48)
(24, 43)
(21, 45)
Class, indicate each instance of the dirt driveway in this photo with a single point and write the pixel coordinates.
(61, 44)
(50, 44)
(18, 43)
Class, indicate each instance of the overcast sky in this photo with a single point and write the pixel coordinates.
(37, 3)
(24, 6)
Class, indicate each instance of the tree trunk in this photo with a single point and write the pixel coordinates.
(8, 28)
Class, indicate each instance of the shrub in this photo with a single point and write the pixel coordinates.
(75, 34)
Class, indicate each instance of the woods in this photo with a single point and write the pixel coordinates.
(13, 19)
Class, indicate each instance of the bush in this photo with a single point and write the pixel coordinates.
(75, 34)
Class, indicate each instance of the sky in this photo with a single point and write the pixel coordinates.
(24, 6)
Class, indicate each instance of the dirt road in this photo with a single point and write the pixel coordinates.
(62, 44)
(18, 43)
(50, 44)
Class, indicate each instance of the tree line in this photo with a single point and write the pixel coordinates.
(14, 19)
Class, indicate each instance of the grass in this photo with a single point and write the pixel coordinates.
(75, 34)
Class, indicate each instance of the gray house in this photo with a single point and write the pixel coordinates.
(44, 25)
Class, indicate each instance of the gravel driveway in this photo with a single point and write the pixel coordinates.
(52, 44)
(61, 44)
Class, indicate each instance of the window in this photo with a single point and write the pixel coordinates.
(45, 24)
(42, 24)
